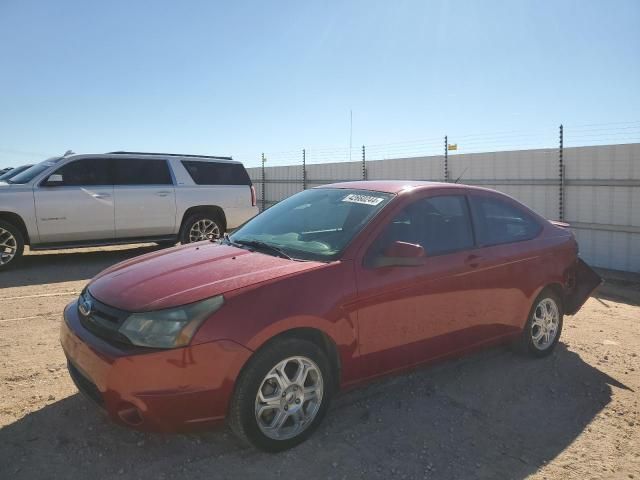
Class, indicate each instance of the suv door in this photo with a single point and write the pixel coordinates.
(409, 314)
(145, 204)
(75, 203)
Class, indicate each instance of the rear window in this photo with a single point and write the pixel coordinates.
(211, 173)
(141, 171)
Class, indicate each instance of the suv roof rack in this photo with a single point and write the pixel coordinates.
(119, 152)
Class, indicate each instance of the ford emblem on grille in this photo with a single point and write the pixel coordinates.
(85, 307)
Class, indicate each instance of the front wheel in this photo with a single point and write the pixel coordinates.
(282, 395)
(11, 245)
(544, 325)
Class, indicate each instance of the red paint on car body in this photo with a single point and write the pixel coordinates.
(380, 320)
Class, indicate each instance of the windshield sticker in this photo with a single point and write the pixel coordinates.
(363, 199)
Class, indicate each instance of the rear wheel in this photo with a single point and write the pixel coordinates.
(282, 395)
(201, 226)
(11, 245)
(544, 325)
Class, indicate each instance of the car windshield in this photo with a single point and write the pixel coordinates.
(13, 172)
(32, 172)
(316, 224)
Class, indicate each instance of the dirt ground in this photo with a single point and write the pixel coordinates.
(573, 415)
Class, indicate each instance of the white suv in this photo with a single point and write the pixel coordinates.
(122, 197)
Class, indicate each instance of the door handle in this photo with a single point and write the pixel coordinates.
(473, 260)
(163, 193)
(100, 195)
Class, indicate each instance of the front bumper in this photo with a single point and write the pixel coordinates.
(181, 389)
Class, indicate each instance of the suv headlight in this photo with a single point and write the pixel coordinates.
(169, 328)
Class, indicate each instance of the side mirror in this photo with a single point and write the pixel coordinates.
(55, 179)
(402, 254)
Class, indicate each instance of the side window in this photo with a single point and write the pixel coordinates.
(85, 172)
(439, 224)
(216, 173)
(141, 171)
(497, 221)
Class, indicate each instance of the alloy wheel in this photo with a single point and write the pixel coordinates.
(289, 398)
(204, 229)
(8, 246)
(545, 322)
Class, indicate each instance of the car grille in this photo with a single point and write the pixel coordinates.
(85, 385)
(102, 320)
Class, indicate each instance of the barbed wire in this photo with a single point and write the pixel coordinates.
(473, 142)
(574, 135)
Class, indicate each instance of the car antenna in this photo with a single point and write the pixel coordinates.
(463, 172)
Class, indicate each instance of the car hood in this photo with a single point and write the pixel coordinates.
(187, 274)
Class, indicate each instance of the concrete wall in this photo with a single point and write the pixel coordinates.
(601, 192)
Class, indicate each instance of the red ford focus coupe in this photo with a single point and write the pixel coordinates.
(329, 288)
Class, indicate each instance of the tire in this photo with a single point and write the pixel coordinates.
(533, 340)
(243, 416)
(11, 245)
(186, 234)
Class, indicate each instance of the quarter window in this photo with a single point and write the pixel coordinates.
(217, 173)
(439, 224)
(141, 171)
(497, 221)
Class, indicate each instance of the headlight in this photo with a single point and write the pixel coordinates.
(169, 328)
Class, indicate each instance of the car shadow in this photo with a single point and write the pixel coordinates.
(62, 266)
(490, 415)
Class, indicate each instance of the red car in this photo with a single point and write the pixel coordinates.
(329, 288)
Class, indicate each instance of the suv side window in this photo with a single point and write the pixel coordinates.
(440, 225)
(497, 221)
(83, 172)
(141, 171)
(216, 173)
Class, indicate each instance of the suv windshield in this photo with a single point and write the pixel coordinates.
(32, 172)
(316, 224)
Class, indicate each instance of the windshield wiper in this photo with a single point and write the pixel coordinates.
(225, 239)
(262, 246)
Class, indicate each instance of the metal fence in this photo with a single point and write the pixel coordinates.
(594, 188)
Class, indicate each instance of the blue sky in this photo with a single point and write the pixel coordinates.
(244, 77)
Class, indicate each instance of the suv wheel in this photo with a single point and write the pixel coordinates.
(201, 226)
(282, 395)
(11, 244)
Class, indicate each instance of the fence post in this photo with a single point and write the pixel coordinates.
(304, 169)
(446, 159)
(364, 165)
(263, 183)
(561, 172)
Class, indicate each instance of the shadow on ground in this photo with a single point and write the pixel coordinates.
(64, 266)
(491, 415)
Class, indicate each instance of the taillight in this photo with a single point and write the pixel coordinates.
(253, 196)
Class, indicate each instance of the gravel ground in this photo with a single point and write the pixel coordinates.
(573, 415)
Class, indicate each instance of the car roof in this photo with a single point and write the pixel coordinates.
(392, 186)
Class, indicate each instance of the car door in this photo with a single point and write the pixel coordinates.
(512, 256)
(75, 203)
(145, 204)
(409, 314)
